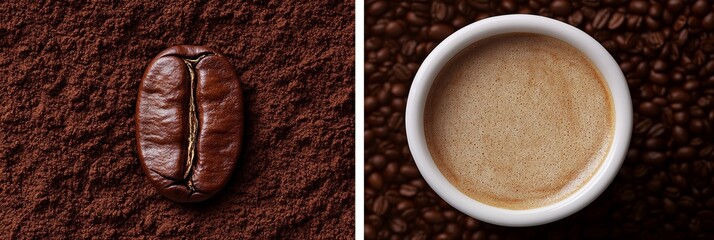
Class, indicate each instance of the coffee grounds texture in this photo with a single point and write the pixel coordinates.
(665, 188)
(71, 71)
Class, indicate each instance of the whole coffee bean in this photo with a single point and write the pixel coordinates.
(656, 130)
(189, 122)
(409, 171)
(408, 190)
(602, 18)
(639, 6)
(440, 31)
(433, 216)
(380, 205)
(377, 8)
(617, 19)
(576, 18)
(675, 6)
(417, 18)
(509, 5)
(708, 22)
(394, 29)
(440, 11)
(398, 225)
(669, 207)
(701, 7)
(375, 181)
(634, 22)
(680, 23)
(378, 161)
(649, 109)
(654, 143)
(654, 158)
(561, 7)
(685, 153)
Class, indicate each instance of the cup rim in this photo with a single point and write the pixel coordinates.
(519, 23)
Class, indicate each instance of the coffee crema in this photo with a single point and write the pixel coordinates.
(519, 121)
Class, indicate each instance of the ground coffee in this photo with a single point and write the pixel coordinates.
(71, 71)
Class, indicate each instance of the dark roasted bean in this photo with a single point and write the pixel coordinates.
(189, 122)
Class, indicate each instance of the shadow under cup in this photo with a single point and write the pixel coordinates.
(496, 26)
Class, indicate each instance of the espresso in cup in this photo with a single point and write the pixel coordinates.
(519, 120)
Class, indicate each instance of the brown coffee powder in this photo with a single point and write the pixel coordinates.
(68, 160)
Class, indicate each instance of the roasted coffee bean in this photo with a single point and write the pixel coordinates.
(602, 18)
(407, 190)
(561, 7)
(433, 216)
(440, 31)
(639, 6)
(398, 225)
(380, 205)
(654, 158)
(649, 109)
(377, 8)
(375, 181)
(617, 19)
(189, 122)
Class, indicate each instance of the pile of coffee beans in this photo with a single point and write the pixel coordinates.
(665, 188)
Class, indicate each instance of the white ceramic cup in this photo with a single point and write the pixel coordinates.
(610, 71)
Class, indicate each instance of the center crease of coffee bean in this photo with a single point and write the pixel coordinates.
(192, 120)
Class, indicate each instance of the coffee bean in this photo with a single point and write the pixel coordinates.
(417, 18)
(440, 11)
(509, 5)
(398, 225)
(433, 216)
(658, 78)
(401, 73)
(656, 130)
(617, 19)
(576, 18)
(394, 29)
(639, 6)
(654, 143)
(380, 205)
(440, 31)
(561, 7)
(669, 207)
(391, 170)
(654, 158)
(377, 8)
(679, 96)
(685, 153)
(675, 6)
(378, 161)
(602, 18)
(682, 38)
(189, 122)
(708, 22)
(407, 190)
(375, 181)
(634, 22)
(680, 135)
(649, 109)
(701, 7)
(409, 171)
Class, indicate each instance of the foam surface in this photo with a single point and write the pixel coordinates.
(519, 121)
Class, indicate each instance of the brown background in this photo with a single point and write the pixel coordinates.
(70, 73)
(665, 189)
